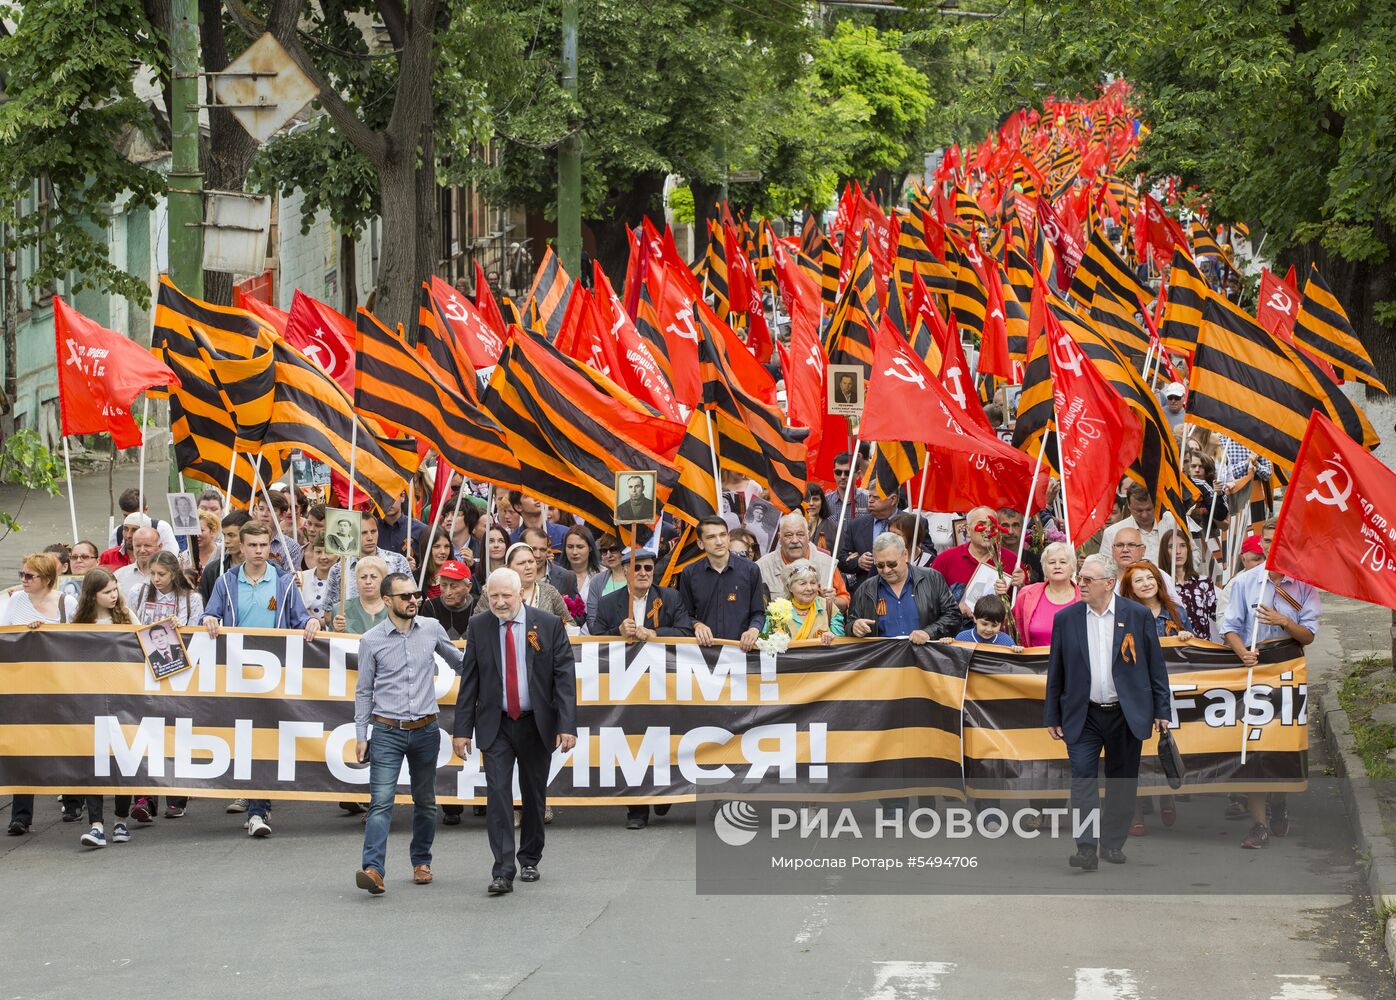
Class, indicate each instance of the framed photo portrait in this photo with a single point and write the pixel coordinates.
(635, 496)
(845, 385)
(342, 532)
(163, 648)
(184, 513)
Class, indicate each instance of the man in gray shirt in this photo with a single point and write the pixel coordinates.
(396, 695)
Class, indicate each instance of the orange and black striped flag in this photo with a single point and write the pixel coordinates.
(203, 429)
(970, 301)
(1117, 320)
(718, 285)
(434, 336)
(1203, 242)
(694, 495)
(547, 300)
(574, 430)
(1322, 327)
(970, 219)
(1102, 265)
(820, 251)
(848, 340)
(1260, 391)
(1182, 312)
(393, 383)
(914, 255)
(754, 437)
(285, 402)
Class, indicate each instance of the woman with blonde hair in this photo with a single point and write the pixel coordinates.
(1038, 603)
(812, 617)
(366, 610)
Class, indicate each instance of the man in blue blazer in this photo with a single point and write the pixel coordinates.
(1107, 689)
(518, 696)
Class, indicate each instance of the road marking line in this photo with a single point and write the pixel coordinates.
(1302, 987)
(1106, 984)
(815, 923)
(908, 980)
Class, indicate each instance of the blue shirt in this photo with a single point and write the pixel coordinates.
(256, 601)
(521, 661)
(1253, 585)
(972, 635)
(900, 617)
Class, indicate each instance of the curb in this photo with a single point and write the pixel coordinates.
(1363, 813)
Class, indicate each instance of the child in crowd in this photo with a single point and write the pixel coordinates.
(989, 616)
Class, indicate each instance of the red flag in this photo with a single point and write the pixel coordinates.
(1066, 242)
(1337, 526)
(1097, 433)
(323, 336)
(640, 372)
(485, 303)
(674, 319)
(741, 279)
(585, 337)
(905, 402)
(1277, 305)
(271, 315)
(473, 332)
(100, 374)
(994, 358)
(1156, 230)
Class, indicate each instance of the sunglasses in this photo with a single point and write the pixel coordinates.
(411, 595)
(887, 565)
(609, 552)
(840, 472)
(28, 576)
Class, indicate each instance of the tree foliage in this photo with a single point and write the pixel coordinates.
(68, 114)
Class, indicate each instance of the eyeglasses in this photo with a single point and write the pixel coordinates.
(838, 473)
(1092, 579)
(411, 595)
(28, 576)
(1129, 545)
(888, 565)
(643, 569)
(609, 552)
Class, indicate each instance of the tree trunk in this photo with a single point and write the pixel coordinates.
(227, 155)
(348, 274)
(705, 199)
(10, 293)
(625, 207)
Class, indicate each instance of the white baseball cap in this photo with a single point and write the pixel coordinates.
(1173, 389)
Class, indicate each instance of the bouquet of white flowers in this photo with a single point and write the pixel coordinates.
(775, 637)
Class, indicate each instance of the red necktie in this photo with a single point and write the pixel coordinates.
(511, 673)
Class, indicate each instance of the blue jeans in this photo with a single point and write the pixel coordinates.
(386, 749)
(258, 807)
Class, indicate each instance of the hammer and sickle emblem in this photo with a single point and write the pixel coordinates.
(1334, 496)
(814, 358)
(901, 369)
(973, 255)
(74, 355)
(684, 327)
(1279, 300)
(1065, 354)
(453, 309)
(1050, 230)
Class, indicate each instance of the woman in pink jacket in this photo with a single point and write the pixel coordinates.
(1038, 603)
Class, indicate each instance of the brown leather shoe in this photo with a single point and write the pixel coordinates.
(421, 874)
(370, 879)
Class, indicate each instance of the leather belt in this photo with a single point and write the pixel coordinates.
(424, 721)
(1113, 706)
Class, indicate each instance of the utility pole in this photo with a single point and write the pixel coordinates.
(569, 156)
(186, 202)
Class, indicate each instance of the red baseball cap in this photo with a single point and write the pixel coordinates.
(1253, 546)
(453, 570)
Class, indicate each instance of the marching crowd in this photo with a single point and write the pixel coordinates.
(874, 572)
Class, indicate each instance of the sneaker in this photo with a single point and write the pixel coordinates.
(93, 838)
(18, 829)
(547, 815)
(72, 814)
(174, 812)
(258, 827)
(1279, 820)
(141, 812)
(237, 806)
(119, 834)
(1258, 837)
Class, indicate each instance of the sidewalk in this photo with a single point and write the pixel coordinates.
(44, 519)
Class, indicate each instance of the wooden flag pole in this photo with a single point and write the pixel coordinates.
(145, 424)
(1250, 670)
(431, 535)
(843, 511)
(1027, 507)
(72, 502)
(1061, 469)
(353, 457)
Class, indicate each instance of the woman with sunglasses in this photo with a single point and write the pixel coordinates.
(609, 578)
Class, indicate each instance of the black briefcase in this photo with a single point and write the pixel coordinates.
(1171, 760)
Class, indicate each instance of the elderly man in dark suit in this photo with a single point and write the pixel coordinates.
(518, 696)
(1107, 689)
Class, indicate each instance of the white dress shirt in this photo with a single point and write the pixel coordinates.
(1152, 538)
(1100, 638)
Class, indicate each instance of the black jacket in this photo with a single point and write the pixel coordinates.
(935, 605)
(671, 618)
(858, 538)
(552, 678)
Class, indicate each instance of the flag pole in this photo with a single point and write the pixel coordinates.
(920, 500)
(1027, 507)
(228, 496)
(145, 423)
(1250, 670)
(717, 473)
(411, 483)
(291, 493)
(1061, 469)
(276, 521)
(431, 535)
(353, 457)
(72, 502)
(843, 511)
